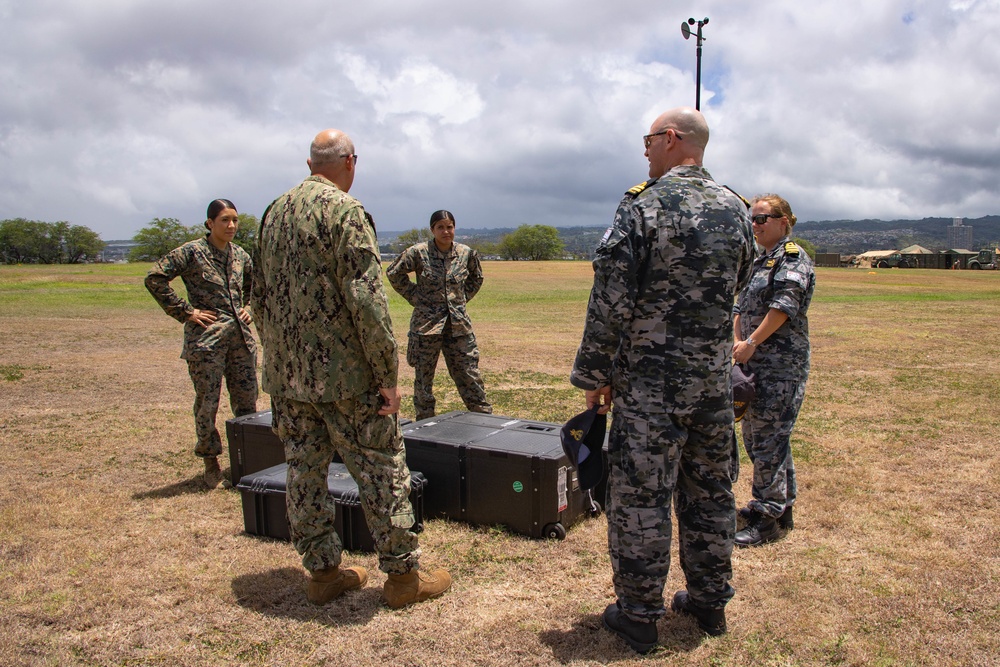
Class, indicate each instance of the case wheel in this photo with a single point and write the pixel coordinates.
(555, 531)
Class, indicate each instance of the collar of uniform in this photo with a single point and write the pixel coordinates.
(438, 252)
(688, 171)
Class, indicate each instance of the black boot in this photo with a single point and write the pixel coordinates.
(711, 621)
(760, 530)
(785, 521)
(640, 635)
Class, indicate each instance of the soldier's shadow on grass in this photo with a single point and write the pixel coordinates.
(588, 640)
(282, 593)
(183, 487)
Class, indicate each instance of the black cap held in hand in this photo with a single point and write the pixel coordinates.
(744, 391)
(582, 439)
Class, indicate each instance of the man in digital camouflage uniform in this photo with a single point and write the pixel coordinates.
(448, 276)
(330, 366)
(657, 342)
(217, 338)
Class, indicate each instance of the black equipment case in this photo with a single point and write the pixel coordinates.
(264, 511)
(488, 470)
(253, 446)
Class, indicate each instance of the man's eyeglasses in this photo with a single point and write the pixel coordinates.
(648, 138)
(354, 157)
(762, 219)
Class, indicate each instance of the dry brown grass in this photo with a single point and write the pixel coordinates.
(111, 553)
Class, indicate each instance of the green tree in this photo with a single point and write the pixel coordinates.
(160, 237)
(532, 242)
(807, 246)
(411, 237)
(19, 240)
(81, 243)
(246, 234)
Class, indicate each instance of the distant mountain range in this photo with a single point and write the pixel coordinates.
(843, 236)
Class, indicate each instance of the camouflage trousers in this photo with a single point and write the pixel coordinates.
(372, 449)
(654, 460)
(461, 356)
(767, 438)
(239, 367)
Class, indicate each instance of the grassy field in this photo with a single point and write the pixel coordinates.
(111, 553)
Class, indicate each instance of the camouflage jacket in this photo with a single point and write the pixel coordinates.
(659, 323)
(446, 281)
(783, 279)
(208, 288)
(319, 302)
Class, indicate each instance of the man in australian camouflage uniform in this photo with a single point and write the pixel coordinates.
(657, 342)
(217, 338)
(448, 276)
(330, 366)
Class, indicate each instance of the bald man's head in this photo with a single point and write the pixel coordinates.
(331, 155)
(688, 122)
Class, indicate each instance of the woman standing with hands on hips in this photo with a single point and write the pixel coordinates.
(772, 342)
(217, 338)
(448, 275)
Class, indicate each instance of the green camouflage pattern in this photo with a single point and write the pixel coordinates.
(659, 333)
(197, 263)
(239, 368)
(319, 302)
(783, 279)
(461, 356)
(445, 283)
(372, 449)
(323, 319)
(219, 281)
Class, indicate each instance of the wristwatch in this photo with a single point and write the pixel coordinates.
(751, 342)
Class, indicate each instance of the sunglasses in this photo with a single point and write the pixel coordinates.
(647, 139)
(762, 219)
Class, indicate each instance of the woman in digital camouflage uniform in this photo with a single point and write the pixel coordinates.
(217, 339)
(772, 342)
(448, 275)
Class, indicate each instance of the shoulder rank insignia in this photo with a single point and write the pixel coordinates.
(741, 197)
(636, 189)
(769, 263)
(791, 248)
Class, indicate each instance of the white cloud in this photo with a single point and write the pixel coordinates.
(116, 112)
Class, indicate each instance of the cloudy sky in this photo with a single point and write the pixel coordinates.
(115, 112)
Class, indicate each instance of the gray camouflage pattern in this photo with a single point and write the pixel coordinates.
(767, 438)
(781, 364)
(445, 283)
(784, 282)
(218, 281)
(659, 332)
(372, 449)
(326, 334)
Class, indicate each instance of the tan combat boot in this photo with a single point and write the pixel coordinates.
(415, 586)
(213, 472)
(332, 582)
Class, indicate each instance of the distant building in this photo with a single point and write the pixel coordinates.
(959, 235)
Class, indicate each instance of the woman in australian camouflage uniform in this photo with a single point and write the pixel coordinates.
(217, 339)
(772, 342)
